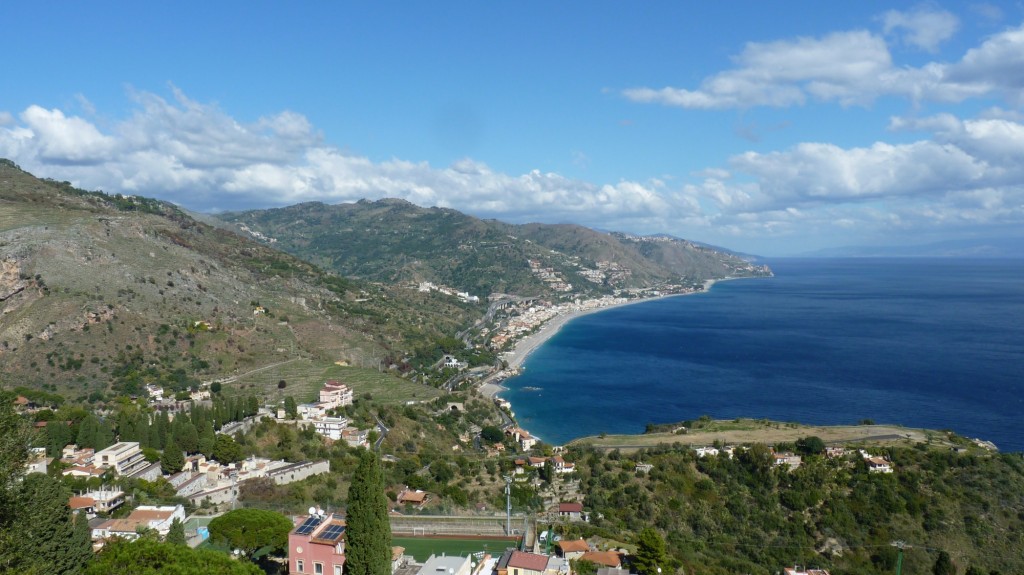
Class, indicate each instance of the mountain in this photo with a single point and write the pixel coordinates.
(395, 241)
(101, 292)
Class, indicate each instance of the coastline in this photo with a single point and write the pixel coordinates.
(530, 343)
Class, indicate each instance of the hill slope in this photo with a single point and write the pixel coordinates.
(395, 241)
(100, 290)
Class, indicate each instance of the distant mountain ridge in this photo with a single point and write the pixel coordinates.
(393, 240)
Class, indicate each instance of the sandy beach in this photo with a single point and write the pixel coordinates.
(527, 345)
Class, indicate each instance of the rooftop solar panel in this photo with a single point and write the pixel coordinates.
(308, 526)
(332, 533)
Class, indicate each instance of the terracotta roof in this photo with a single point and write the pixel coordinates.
(81, 502)
(573, 546)
(609, 558)
(530, 561)
(413, 496)
(570, 508)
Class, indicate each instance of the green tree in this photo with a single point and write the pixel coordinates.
(251, 530)
(15, 438)
(650, 552)
(172, 459)
(291, 409)
(44, 538)
(176, 535)
(944, 565)
(226, 449)
(812, 445)
(147, 557)
(187, 436)
(369, 533)
(492, 433)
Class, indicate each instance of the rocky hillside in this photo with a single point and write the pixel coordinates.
(103, 292)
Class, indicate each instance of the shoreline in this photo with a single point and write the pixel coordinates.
(522, 348)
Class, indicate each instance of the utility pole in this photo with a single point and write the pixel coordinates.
(508, 505)
(899, 558)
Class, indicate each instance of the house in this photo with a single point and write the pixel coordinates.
(606, 558)
(446, 565)
(706, 451)
(573, 511)
(786, 459)
(522, 437)
(85, 505)
(317, 545)
(413, 497)
(125, 458)
(101, 501)
(573, 549)
(158, 518)
(71, 455)
(878, 465)
(312, 411)
(797, 570)
(37, 462)
(514, 562)
(335, 394)
(562, 466)
(356, 437)
(643, 468)
(398, 558)
(330, 427)
(833, 452)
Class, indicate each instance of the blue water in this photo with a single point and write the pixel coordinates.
(935, 343)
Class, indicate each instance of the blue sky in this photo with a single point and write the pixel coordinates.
(774, 128)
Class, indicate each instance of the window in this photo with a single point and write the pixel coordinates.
(298, 565)
(318, 569)
(337, 570)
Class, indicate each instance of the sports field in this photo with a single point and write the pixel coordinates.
(422, 547)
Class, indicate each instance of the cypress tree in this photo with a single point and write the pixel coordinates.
(368, 551)
(176, 535)
(172, 459)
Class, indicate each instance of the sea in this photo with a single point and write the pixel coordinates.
(918, 342)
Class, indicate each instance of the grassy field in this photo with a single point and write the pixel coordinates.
(422, 547)
(304, 377)
(764, 431)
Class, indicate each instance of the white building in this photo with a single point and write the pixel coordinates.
(331, 427)
(125, 458)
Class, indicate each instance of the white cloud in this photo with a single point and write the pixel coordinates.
(855, 68)
(960, 172)
(785, 73)
(197, 155)
(924, 27)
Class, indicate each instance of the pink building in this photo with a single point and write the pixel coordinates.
(317, 545)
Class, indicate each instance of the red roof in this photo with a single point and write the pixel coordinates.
(573, 546)
(607, 558)
(81, 502)
(570, 508)
(530, 561)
